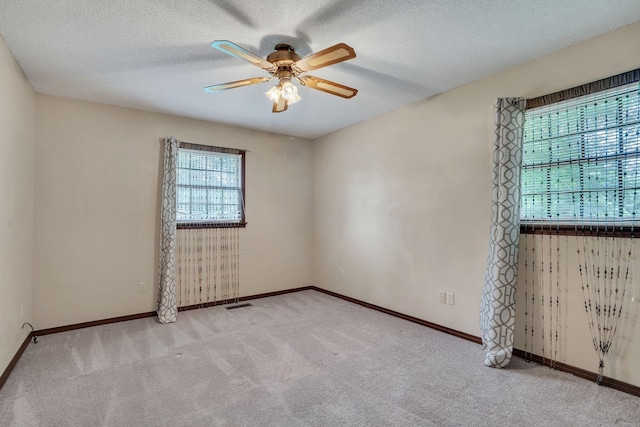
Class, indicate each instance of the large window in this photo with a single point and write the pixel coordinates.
(210, 186)
(581, 158)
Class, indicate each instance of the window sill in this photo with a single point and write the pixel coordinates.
(191, 225)
(572, 230)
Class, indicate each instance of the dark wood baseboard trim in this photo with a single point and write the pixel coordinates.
(582, 373)
(435, 326)
(276, 293)
(82, 325)
(153, 313)
(14, 361)
(245, 298)
(579, 372)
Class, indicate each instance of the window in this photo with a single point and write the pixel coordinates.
(210, 187)
(581, 158)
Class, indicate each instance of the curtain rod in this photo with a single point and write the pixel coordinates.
(227, 148)
(611, 82)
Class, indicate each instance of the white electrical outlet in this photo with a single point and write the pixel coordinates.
(142, 287)
(342, 274)
(450, 298)
(443, 297)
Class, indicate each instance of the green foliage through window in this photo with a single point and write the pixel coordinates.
(581, 159)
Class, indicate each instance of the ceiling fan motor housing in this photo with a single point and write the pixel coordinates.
(283, 56)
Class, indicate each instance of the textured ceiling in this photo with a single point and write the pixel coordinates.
(155, 55)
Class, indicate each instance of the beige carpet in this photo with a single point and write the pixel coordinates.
(301, 359)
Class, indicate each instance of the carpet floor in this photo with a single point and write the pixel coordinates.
(300, 359)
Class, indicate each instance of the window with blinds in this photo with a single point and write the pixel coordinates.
(209, 187)
(581, 159)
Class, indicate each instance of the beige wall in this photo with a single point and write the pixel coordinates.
(17, 148)
(402, 202)
(98, 171)
(394, 210)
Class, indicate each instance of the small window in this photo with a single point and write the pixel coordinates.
(581, 159)
(210, 187)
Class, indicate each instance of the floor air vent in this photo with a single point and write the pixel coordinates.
(231, 307)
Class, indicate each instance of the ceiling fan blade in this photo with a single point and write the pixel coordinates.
(280, 105)
(329, 56)
(239, 83)
(328, 86)
(234, 50)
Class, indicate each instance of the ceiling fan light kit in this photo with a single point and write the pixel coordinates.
(285, 64)
(289, 92)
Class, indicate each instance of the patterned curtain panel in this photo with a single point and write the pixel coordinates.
(167, 307)
(497, 312)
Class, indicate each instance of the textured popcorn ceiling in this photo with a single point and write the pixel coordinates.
(155, 55)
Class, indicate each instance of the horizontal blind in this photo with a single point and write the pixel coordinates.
(581, 159)
(209, 187)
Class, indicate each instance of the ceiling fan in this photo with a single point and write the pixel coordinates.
(285, 64)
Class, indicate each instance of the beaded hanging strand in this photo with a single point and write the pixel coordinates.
(236, 260)
(615, 313)
(232, 264)
(612, 281)
(237, 257)
(533, 287)
(585, 209)
(201, 278)
(531, 202)
(554, 358)
(542, 293)
(214, 262)
(209, 237)
(578, 206)
(553, 326)
(602, 280)
(542, 238)
(225, 265)
(552, 157)
(527, 355)
(192, 267)
(221, 264)
(593, 290)
(180, 265)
